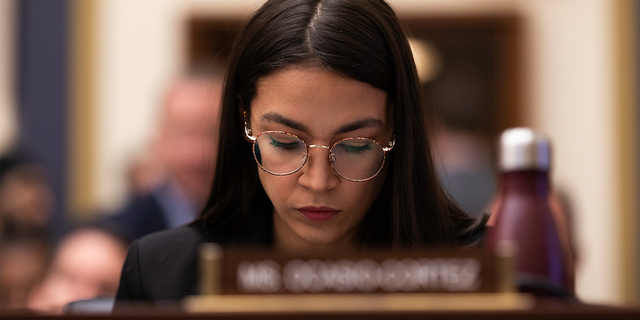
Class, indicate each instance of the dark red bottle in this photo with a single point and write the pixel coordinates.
(523, 216)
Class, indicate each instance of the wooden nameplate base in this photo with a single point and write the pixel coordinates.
(244, 281)
(377, 302)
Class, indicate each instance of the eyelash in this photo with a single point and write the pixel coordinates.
(357, 149)
(286, 146)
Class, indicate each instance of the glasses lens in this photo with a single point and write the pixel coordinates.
(357, 158)
(279, 153)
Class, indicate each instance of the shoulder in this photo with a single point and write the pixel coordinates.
(171, 247)
(140, 204)
(176, 238)
(473, 237)
(141, 216)
(162, 265)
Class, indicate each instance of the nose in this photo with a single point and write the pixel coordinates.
(317, 173)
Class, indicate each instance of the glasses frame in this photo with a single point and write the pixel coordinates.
(306, 157)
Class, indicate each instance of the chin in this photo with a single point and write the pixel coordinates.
(320, 237)
(320, 240)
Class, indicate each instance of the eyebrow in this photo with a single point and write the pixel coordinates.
(278, 118)
(359, 124)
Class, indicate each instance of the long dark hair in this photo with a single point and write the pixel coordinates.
(359, 39)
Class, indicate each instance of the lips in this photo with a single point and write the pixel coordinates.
(318, 213)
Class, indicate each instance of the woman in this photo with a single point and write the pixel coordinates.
(323, 148)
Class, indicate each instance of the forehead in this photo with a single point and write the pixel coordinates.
(192, 100)
(318, 98)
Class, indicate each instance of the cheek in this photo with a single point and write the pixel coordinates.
(278, 188)
(362, 194)
(369, 188)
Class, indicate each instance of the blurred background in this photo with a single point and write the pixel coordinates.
(82, 82)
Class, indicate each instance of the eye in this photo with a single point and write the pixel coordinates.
(355, 146)
(285, 144)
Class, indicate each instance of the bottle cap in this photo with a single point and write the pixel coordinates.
(524, 149)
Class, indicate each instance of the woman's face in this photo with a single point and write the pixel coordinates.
(315, 206)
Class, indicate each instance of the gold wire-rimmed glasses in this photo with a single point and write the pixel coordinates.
(282, 153)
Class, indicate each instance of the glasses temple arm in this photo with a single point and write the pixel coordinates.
(392, 143)
(248, 133)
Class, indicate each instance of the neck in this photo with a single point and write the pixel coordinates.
(285, 240)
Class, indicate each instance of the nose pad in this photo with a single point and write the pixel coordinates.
(332, 158)
(319, 175)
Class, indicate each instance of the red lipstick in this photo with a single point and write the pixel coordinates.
(318, 213)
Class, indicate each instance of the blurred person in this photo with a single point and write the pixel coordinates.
(146, 172)
(23, 263)
(87, 265)
(466, 168)
(170, 183)
(180, 167)
(26, 198)
(461, 97)
(26, 205)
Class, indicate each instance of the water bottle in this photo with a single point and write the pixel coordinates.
(523, 216)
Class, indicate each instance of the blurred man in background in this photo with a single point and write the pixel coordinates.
(87, 265)
(463, 106)
(168, 189)
(185, 147)
(26, 197)
(26, 206)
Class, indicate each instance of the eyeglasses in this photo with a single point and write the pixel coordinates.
(355, 159)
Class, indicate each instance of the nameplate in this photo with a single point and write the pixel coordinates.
(260, 272)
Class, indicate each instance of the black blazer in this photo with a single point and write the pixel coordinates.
(162, 265)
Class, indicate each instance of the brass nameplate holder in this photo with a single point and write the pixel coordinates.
(259, 281)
